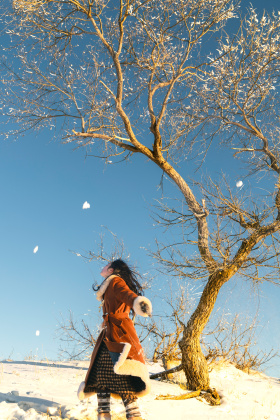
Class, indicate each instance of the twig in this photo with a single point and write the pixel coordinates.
(165, 372)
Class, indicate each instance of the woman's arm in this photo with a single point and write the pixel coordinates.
(140, 304)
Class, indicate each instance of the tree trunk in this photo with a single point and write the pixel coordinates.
(193, 361)
(194, 365)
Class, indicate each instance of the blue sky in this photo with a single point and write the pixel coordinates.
(43, 187)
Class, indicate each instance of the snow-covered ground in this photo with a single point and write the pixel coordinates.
(40, 390)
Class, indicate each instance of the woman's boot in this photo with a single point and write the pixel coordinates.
(136, 418)
(104, 416)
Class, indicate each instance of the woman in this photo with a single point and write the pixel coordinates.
(117, 363)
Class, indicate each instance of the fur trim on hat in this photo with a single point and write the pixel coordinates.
(137, 308)
(100, 292)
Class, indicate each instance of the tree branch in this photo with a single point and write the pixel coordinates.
(108, 138)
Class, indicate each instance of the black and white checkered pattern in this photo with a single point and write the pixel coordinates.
(103, 378)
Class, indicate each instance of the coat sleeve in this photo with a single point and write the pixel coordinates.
(126, 295)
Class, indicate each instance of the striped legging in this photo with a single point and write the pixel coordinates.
(129, 400)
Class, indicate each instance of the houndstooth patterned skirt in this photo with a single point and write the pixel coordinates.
(103, 378)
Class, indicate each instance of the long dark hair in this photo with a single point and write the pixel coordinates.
(122, 270)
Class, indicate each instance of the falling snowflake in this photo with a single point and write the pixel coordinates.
(37, 332)
(86, 205)
(239, 184)
(35, 249)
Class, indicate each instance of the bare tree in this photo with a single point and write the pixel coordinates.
(166, 326)
(77, 338)
(164, 79)
(234, 339)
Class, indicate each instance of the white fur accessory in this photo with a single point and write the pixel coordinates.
(137, 306)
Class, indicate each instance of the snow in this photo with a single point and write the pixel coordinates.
(37, 332)
(86, 205)
(239, 184)
(30, 389)
(35, 249)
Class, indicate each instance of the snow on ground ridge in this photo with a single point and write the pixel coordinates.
(32, 390)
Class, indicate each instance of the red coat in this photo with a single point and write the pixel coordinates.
(119, 333)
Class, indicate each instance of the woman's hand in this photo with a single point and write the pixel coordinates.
(142, 306)
(145, 308)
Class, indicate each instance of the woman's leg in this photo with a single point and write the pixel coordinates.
(103, 400)
(131, 406)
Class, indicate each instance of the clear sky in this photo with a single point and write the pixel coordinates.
(43, 187)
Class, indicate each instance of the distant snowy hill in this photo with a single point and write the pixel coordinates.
(46, 390)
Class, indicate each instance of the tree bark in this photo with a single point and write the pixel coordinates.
(193, 360)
